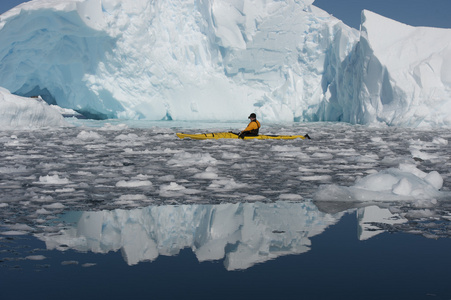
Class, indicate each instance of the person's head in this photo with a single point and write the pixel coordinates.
(252, 116)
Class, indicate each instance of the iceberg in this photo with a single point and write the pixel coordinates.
(27, 113)
(405, 183)
(220, 60)
(397, 75)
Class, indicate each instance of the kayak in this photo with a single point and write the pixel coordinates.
(231, 135)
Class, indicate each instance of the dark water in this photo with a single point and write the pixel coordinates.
(338, 266)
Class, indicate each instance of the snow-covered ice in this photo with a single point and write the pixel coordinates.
(220, 60)
(27, 113)
(403, 75)
(391, 184)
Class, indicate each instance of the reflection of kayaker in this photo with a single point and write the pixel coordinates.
(252, 128)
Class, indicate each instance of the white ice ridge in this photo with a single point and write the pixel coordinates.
(399, 75)
(26, 113)
(203, 60)
(243, 234)
(406, 183)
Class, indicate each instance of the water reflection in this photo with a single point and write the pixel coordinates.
(429, 218)
(242, 234)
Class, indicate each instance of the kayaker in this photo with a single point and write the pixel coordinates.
(252, 128)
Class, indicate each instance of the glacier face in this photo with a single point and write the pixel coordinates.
(184, 60)
(214, 59)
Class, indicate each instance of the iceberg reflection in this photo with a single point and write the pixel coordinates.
(429, 218)
(242, 234)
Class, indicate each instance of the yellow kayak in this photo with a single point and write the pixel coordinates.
(231, 135)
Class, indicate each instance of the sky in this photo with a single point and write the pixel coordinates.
(433, 13)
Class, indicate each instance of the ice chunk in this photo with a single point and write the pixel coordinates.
(53, 179)
(55, 205)
(434, 179)
(189, 159)
(27, 113)
(290, 197)
(133, 183)
(403, 187)
(209, 173)
(89, 136)
(387, 185)
(35, 257)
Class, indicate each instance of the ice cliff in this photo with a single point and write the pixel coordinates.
(214, 59)
(397, 75)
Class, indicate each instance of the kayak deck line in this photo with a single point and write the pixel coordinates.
(232, 135)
